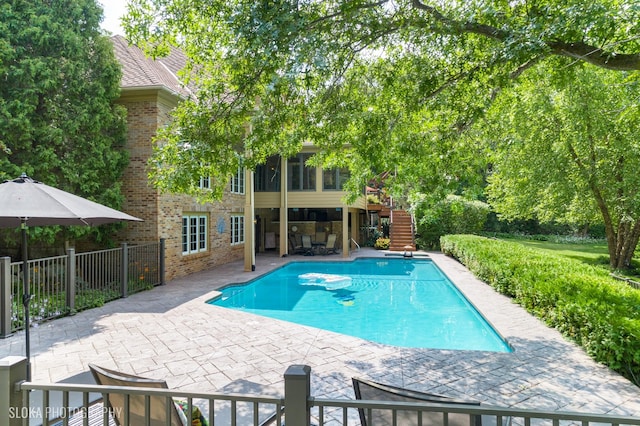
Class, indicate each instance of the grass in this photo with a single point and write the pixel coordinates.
(593, 253)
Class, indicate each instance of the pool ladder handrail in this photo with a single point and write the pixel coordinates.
(356, 243)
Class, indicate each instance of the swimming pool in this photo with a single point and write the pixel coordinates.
(395, 301)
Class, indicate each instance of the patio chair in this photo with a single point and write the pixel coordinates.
(74, 411)
(158, 408)
(367, 390)
(330, 247)
(115, 402)
(294, 246)
(307, 246)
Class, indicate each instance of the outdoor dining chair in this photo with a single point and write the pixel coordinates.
(307, 245)
(330, 247)
(115, 402)
(160, 407)
(368, 390)
(294, 246)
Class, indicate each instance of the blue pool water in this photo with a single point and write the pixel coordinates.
(395, 301)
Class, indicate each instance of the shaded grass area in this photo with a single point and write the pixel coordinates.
(592, 253)
(589, 251)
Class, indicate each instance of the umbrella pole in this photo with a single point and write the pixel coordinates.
(26, 297)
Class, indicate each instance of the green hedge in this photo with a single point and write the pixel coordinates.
(583, 302)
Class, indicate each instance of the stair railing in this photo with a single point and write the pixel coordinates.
(413, 230)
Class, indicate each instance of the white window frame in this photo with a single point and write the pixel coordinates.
(205, 182)
(237, 229)
(237, 182)
(195, 229)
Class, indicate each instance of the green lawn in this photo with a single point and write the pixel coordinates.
(595, 253)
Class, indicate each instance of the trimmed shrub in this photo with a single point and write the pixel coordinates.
(582, 301)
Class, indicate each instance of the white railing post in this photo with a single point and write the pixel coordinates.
(14, 407)
(5, 297)
(297, 392)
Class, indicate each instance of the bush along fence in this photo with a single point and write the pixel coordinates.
(583, 302)
(63, 285)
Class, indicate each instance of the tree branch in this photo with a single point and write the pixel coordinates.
(596, 56)
(336, 14)
(577, 50)
(522, 68)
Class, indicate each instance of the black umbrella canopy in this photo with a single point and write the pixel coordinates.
(26, 201)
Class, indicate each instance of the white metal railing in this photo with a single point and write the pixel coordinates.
(356, 243)
(413, 229)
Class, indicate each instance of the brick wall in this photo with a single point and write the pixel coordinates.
(162, 214)
(220, 250)
(141, 199)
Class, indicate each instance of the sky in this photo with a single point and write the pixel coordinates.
(113, 10)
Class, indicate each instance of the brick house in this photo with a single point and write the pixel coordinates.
(282, 200)
(198, 236)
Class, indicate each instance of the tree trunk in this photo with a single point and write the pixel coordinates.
(609, 228)
(627, 241)
(621, 240)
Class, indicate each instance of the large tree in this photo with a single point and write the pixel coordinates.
(566, 148)
(58, 80)
(397, 80)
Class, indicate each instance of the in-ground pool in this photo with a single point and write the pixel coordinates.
(395, 301)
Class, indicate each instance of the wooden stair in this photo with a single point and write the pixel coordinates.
(401, 232)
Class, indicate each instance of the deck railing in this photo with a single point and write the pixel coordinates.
(62, 285)
(300, 407)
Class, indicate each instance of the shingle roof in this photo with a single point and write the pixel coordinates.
(139, 71)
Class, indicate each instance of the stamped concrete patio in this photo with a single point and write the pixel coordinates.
(171, 333)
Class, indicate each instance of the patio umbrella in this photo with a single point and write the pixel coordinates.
(25, 202)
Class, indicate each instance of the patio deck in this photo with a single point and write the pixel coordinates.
(171, 333)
